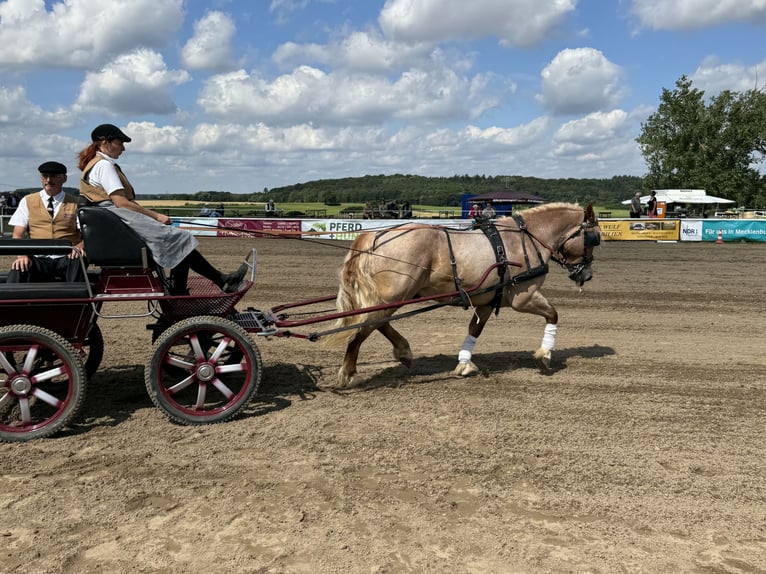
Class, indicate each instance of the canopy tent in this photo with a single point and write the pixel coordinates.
(506, 196)
(697, 196)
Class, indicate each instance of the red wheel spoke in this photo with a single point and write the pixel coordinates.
(196, 347)
(47, 397)
(222, 346)
(29, 361)
(48, 375)
(180, 386)
(233, 368)
(225, 391)
(177, 361)
(26, 414)
(201, 394)
(6, 365)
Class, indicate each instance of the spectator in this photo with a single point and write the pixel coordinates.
(474, 211)
(104, 184)
(205, 211)
(49, 214)
(651, 205)
(489, 211)
(635, 206)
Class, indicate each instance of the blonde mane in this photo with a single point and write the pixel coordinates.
(545, 207)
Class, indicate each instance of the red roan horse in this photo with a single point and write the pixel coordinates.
(487, 267)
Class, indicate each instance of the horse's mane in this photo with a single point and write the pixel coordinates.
(546, 207)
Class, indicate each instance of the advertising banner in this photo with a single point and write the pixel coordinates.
(730, 230)
(230, 227)
(640, 230)
(348, 229)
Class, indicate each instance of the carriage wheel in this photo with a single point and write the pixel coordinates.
(93, 350)
(203, 370)
(42, 382)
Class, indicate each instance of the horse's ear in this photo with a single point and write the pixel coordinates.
(590, 216)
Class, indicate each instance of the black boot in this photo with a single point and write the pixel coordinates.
(233, 282)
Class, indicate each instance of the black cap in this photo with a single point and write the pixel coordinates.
(52, 168)
(108, 132)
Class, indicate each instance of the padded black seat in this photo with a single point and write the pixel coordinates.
(109, 241)
(49, 290)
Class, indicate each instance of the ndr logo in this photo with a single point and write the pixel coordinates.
(690, 231)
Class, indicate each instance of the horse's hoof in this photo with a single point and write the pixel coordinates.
(405, 358)
(344, 379)
(543, 359)
(466, 369)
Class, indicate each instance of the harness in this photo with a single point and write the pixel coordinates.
(498, 248)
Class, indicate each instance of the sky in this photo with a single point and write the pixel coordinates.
(247, 95)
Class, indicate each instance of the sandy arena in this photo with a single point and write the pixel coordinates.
(641, 451)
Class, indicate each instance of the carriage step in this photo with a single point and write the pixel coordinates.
(254, 320)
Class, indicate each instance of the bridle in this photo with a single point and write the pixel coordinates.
(591, 239)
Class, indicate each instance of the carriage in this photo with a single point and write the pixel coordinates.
(204, 366)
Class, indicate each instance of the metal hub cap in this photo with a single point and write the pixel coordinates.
(21, 385)
(205, 372)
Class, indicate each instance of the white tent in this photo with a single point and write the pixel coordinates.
(683, 196)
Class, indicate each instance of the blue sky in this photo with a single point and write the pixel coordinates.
(242, 95)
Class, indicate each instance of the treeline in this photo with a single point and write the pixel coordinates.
(422, 190)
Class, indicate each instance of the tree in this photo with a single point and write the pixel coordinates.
(687, 143)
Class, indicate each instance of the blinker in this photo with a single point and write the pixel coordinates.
(592, 239)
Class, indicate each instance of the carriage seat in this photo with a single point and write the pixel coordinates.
(109, 242)
(47, 290)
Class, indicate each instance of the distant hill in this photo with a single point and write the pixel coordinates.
(422, 190)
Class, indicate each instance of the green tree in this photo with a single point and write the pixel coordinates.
(687, 143)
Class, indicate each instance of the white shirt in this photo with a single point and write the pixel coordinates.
(104, 175)
(21, 215)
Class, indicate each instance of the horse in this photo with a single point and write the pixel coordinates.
(494, 264)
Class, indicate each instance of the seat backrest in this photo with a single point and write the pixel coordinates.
(109, 241)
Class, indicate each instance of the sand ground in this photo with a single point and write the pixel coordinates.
(641, 451)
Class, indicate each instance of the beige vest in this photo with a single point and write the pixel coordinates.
(96, 194)
(63, 226)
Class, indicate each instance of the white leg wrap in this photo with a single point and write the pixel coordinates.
(549, 337)
(466, 351)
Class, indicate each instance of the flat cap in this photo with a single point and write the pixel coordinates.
(108, 132)
(52, 168)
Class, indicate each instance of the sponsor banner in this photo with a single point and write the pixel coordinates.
(206, 227)
(640, 230)
(691, 230)
(348, 229)
(252, 227)
(230, 227)
(733, 229)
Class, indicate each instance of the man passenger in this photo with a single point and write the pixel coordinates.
(48, 214)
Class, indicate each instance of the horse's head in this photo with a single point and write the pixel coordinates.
(575, 252)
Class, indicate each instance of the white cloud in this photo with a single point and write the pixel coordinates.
(17, 112)
(695, 14)
(359, 51)
(135, 83)
(580, 80)
(82, 33)
(308, 95)
(714, 76)
(210, 48)
(593, 128)
(515, 22)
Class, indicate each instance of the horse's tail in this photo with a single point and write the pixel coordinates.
(357, 290)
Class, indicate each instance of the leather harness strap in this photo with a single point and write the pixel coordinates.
(531, 272)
